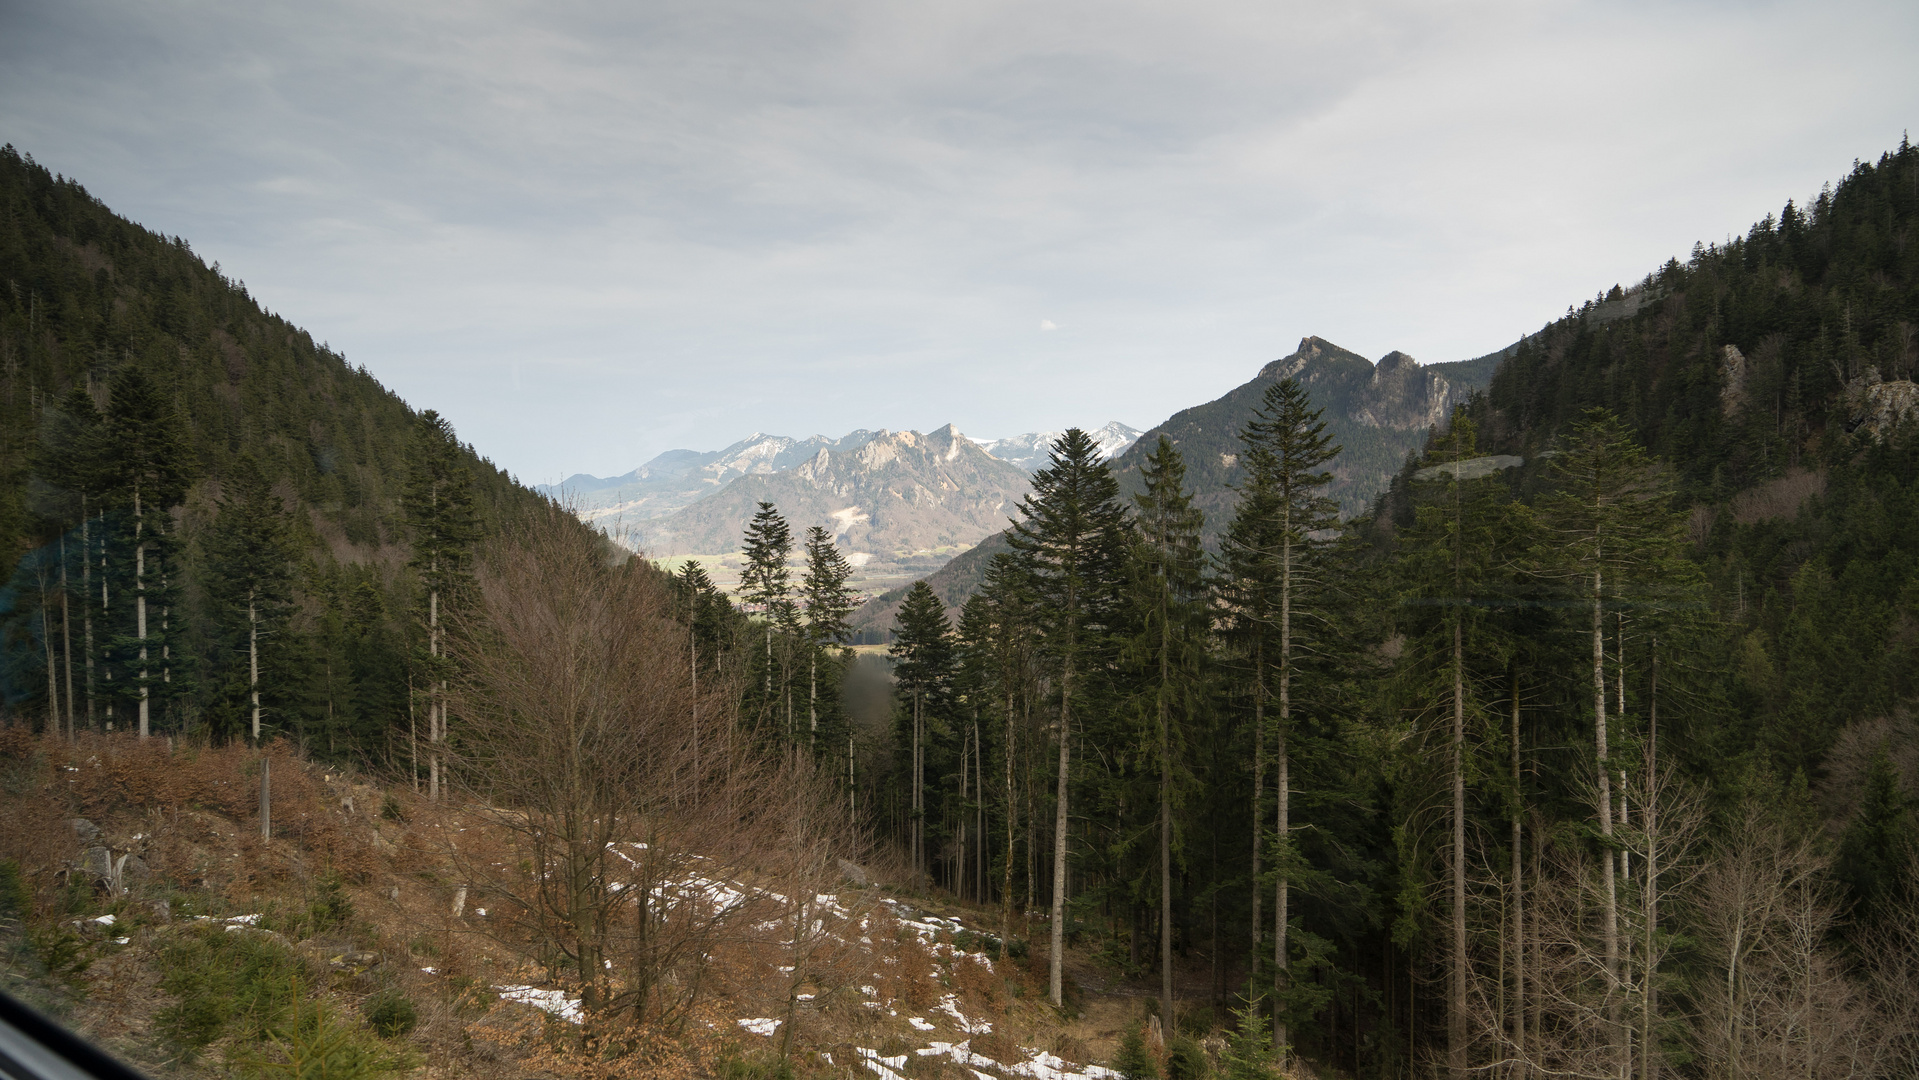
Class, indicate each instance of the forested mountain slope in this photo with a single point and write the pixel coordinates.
(140, 387)
(1771, 375)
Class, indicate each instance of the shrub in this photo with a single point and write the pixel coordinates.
(331, 908)
(1133, 1062)
(1185, 1060)
(390, 1013)
(315, 1045)
(241, 981)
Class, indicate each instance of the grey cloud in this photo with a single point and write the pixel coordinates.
(591, 231)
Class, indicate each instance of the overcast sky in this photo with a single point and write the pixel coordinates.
(590, 232)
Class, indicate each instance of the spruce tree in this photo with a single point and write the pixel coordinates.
(69, 466)
(1273, 582)
(251, 570)
(828, 605)
(1607, 522)
(1073, 543)
(1168, 652)
(146, 466)
(441, 516)
(924, 656)
(1449, 554)
(766, 582)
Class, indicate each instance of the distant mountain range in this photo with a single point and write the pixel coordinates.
(896, 495)
(678, 478)
(627, 506)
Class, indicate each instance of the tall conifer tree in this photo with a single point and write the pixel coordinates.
(1168, 652)
(828, 604)
(440, 513)
(252, 567)
(766, 581)
(1073, 542)
(923, 652)
(1274, 562)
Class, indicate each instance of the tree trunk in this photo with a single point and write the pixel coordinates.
(1055, 964)
(140, 607)
(86, 602)
(917, 822)
(434, 709)
(1648, 1067)
(1165, 883)
(53, 666)
(1282, 855)
(66, 632)
(812, 700)
(1259, 791)
(253, 661)
(1519, 901)
(1006, 887)
(1165, 805)
(1610, 914)
(1456, 997)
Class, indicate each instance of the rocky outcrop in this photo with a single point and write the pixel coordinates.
(1878, 406)
(1732, 381)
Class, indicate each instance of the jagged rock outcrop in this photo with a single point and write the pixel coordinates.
(1878, 406)
(1378, 412)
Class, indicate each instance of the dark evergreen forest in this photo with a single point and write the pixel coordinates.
(1588, 752)
(205, 522)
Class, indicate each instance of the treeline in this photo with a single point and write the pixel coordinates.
(210, 525)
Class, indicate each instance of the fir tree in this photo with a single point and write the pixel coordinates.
(766, 582)
(924, 657)
(828, 604)
(252, 568)
(1168, 652)
(1073, 543)
(440, 513)
(146, 465)
(1274, 558)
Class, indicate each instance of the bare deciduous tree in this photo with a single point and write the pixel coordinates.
(578, 753)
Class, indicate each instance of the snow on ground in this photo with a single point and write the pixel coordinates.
(552, 1002)
(763, 1025)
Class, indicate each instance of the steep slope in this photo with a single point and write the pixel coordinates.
(1773, 375)
(1378, 412)
(679, 478)
(1033, 450)
(91, 298)
(900, 494)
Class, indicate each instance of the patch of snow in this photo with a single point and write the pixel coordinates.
(552, 1002)
(919, 1022)
(764, 1025)
(121, 940)
(950, 1005)
(105, 920)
